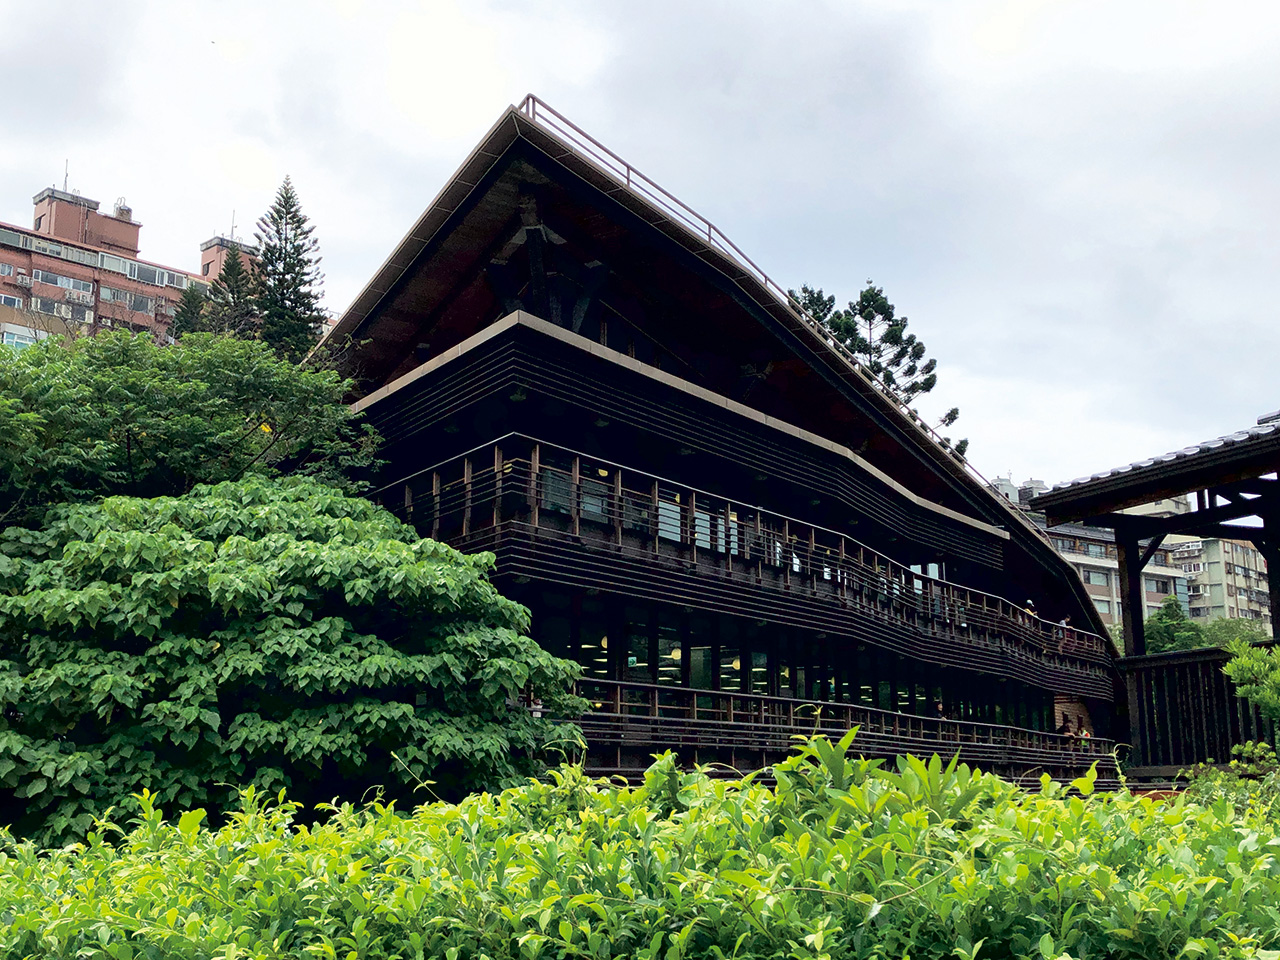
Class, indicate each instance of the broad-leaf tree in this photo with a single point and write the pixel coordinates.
(270, 632)
(1169, 629)
(870, 328)
(287, 277)
(121, 414)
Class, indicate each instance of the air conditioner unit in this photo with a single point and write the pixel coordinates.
(22, 280)
(79, 296)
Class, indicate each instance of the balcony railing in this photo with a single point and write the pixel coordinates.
(757, 728)
(636, 514)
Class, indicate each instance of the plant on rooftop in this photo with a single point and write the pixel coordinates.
(268, 632)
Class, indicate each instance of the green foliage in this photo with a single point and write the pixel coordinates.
(120, 414)
(1252, 778)
(844, 859)
(871, 329)
(287, 277)
(1170, 629)
(273, 632)
(232, 311)
(1256, 673)
(189, 314)
(1226, 631)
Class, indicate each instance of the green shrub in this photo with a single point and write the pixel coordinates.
(118, 413)
(266, 632)
(842, 859)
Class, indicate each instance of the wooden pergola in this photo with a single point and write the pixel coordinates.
(1231, 479)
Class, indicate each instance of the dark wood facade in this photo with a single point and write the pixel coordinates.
(695, 492)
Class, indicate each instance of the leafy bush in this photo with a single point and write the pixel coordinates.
(273, 632)
(120, 414)
(1252, 777)
(843, 859)
(1256, 673)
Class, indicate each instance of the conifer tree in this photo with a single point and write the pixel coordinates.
(871, 329)
(233, 307)
(190, 313)
(288, 277)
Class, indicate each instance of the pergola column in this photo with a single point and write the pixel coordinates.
(1132, 596)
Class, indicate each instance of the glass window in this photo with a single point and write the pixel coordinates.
(1097, 578)
(1095, 549)
(8, 301)
(6, 269)
(19, 341)
(116, 264)
(1104, 606)
(1157, 586)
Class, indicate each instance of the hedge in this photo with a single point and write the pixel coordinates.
(838, 857)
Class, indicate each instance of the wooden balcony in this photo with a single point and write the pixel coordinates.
(629, 722)
(559, 516)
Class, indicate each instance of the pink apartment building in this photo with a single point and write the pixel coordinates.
(77, 268)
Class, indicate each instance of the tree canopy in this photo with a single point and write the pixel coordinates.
(120, 414)
(1170, 629)
(268, 632)
(189, 315)
(871, 329)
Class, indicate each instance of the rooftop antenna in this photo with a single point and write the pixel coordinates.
(233, 224)
(66, 173)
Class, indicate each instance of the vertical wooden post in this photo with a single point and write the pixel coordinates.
(617, 504)
(653, 518)
(408, 503)
(786, 553)
(534, 496)
(728, 546)
(466, 496)
(576, 506)
(844, 593)
(497, 487)
(1131, 594)
(760, 544)
(693, 526)
(435, 505)
(813, 564)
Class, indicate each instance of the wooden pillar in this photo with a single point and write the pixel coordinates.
(1270, 550)
(435, 506)
(534, 466)
(576, 505)
(617, 506)
(1132, 596)
(466, 496)
(497, 486)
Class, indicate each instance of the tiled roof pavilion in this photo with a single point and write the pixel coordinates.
(1233, 478)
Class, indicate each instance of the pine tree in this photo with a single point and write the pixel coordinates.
(288, 277)
(871, 329)
(189, 316)
(233, 308)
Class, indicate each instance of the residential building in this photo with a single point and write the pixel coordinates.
(1226, 578)
(1092, 553)
(77, 268)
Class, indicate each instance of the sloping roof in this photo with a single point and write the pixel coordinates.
(557, 137)
(1251, 452)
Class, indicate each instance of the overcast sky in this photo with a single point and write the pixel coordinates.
(1076, 204)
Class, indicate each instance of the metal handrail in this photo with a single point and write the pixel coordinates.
(631, 178)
